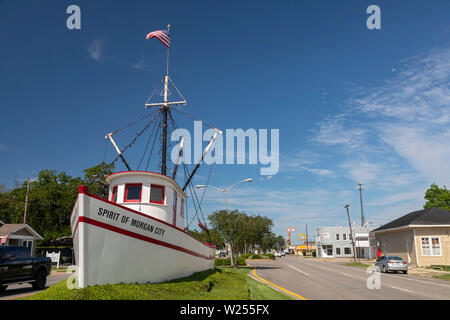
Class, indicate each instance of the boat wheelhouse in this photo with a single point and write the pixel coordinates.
(151, 193)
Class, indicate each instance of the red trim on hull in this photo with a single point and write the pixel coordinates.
(141, 237)
(84, 190)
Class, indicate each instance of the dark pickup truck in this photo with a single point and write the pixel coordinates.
(18, 266)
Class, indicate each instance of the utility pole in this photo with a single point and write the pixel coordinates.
(363, 219)
(26, 202)
(351, 232)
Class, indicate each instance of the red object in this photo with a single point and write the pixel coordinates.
(161, 35)
(201, 225)
(140, 237)
(135, 212)
(114, 194)
(83, 189)
(378, 253)
(126, 192)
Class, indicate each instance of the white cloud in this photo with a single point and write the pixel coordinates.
(95, 49)
(142, 65)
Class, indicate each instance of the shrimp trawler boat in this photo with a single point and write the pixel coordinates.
(138, 234)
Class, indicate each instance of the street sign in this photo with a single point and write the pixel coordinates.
(55, 257)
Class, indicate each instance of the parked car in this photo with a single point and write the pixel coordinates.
(222, 254)
(277, 254)
(18, 266)
(391, 263)
(283, 253)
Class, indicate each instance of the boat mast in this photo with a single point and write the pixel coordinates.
(165, 109)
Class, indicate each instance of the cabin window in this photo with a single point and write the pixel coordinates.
(133, 193)
(114, 194)
(157, 194)
(182, 208)
(174, 219)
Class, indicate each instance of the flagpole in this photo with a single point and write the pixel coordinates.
(164, 111)
(168, 51)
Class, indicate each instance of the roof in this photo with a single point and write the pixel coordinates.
(426, 217)
(9, 228)
(13, 227)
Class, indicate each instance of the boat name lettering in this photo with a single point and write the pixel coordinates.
(108, 214)
(133, 222)
(147, 227)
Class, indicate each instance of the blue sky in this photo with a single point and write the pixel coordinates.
(351, 104)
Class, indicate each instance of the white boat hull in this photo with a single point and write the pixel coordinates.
(114, 244)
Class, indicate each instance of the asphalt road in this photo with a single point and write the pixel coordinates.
(320, 280)
(17, 291)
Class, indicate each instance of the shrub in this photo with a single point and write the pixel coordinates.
(270, 256)
(256, 256)
(314, 253)
(246, 255)
(304, 253)
(241, 260)
(220, 262)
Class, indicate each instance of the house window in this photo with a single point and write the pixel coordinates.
(337, 236)
(338, 250)
(157, 194)
(344, 237)
(133, 192)
(347, 251)
(114, 194)
(431, 246)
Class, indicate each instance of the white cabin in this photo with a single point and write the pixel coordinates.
(151, 193)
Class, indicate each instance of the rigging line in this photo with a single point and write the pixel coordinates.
(133, 123)
(106, 150)
(207, 183)
(191, 117)
(154, 141)
(199, 206)
(173, 83)
(154, 91)
(195, 207)
(148, 142)
(193, 200)
(132, 141)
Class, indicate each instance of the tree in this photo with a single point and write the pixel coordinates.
(94, 178)
(214, 237)
(242, 231)
(437, 197)
(231, 228)
(51, 199)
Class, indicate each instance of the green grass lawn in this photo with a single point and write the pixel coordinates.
(216, 284)
(444, 276)
(61, 269)
(260, 291)
(357, 264)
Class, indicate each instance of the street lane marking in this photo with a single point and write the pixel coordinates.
(290, 292)
(298, 270)
(401, 289)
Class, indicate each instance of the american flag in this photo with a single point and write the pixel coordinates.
(161, 35)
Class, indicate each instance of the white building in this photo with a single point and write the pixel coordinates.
(335, 242)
